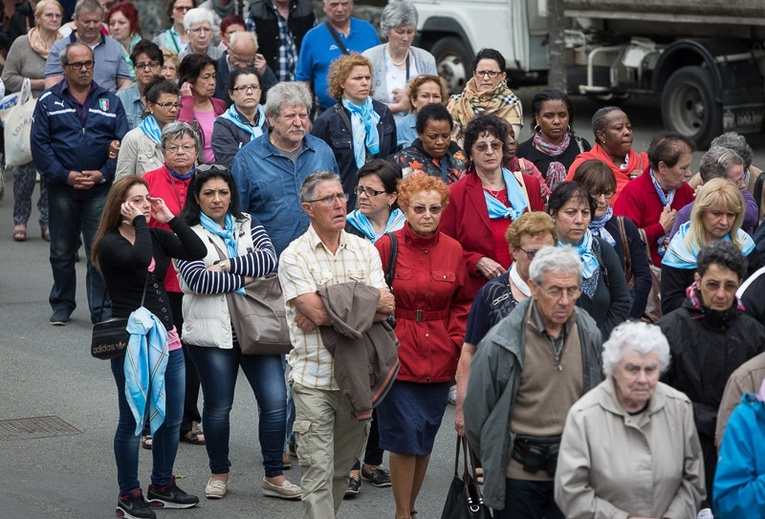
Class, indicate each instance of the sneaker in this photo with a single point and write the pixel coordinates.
(133, 506)
(170, 497)
(60, 318)
(378, 477)
(286, 490)
(286, 461)
(354, 487)
(215, 489)
(453, 395)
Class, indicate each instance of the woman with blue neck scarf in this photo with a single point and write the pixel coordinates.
(357, 128)
(213, 212)
(378, 211)
(141, 149)
(596, 177)
(604, 290)
(244, 121)
(486, 200)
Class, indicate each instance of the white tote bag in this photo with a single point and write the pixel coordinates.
(17, 121)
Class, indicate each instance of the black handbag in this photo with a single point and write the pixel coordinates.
(464, 500)
(110, 338)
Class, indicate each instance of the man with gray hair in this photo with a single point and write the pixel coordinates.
(270, 169)
(721, 162)
(329, 437)
(242, 52)
(526, 374)
(111, 70)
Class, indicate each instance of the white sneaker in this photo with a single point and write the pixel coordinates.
(215, 489)
(453, 395)
(286, 490)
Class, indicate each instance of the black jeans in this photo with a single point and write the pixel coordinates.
(529, 500)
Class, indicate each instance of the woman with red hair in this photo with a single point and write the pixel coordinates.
(124, 27)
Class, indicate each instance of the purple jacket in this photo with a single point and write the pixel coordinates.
(750, 215)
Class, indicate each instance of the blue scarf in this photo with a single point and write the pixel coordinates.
(232, 114)
(590, 264)
(227, 234)
(152, 130)
(665, 200)
(361, 222)
(144, 367)
(177, 175)
(597, 226)
(681, 256)
(364, 121)
(514, 196)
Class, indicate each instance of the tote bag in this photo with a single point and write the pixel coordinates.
(17, 121)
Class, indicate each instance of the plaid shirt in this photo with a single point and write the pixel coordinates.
(287, 59)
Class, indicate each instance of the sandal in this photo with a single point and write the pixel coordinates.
(195, 436)
(45, 233)
(146, 441)
(19, 234)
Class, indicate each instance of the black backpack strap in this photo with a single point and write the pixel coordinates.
(336, 37)
(758, 191)
(391, 267)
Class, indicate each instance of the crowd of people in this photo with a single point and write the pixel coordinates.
(593, 308)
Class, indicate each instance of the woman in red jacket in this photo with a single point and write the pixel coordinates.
(430, 283)
(486, 200)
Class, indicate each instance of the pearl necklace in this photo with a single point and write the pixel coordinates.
(397, 63)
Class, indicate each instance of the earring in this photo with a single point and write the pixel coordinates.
(568, 128)
(152, 112)
(537, 129)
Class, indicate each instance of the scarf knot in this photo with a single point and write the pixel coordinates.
(597, 226)
(514, 196)
(590, 263)
(364, 121)
(227, 233)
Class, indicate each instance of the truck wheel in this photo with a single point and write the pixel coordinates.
(452, 63)
(688, 105)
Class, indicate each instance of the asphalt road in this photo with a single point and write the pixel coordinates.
(47, 371)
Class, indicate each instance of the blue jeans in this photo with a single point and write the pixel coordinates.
(70, 213)
(218, 369)
(529, 500)
(165, 443)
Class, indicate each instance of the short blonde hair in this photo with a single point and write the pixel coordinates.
(535, 223)
(417, 182)
(341, 68)
(414, 86)
(44, 3)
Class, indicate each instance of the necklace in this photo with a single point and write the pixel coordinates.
(397, 63)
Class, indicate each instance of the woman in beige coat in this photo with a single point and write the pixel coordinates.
(630, 447)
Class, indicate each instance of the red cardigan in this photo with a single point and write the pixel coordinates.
(640, 203)
(431, 277)
(173, 192)
(636, 161)
(466, 219)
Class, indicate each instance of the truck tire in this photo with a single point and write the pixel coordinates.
(452, 63)
(688, 105)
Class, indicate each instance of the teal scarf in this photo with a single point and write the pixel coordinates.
(232, 114)
(361, 222)
(680, 256)
(364, 121)
(228, 234)
(151, 129)
(514, 196)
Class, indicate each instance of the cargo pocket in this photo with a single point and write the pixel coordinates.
(304, 450)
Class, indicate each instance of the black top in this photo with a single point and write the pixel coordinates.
(526, 150)
(125, 266)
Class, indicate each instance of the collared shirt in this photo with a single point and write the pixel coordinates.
(287, 58)
(556, 342)
(110, 61)
(81, 108)
(131, 101)
(307, 265)
(269, 184)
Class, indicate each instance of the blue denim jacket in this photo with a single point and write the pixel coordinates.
(131, 101)
(269, 184)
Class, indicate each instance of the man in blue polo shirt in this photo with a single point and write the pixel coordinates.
(319, 48)
(111, 71)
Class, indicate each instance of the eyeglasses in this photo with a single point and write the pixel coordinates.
(170, 104)
(608, 195)
(367, 191)
(79, 64)
(491, 73)
(246, 88)
(530, 254)
(188, 148)
(435, 209)
(146, 64)
(557, 292)
(482, 147)
(330, 200)
(182, 8)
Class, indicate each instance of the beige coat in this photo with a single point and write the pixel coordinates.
(746, 379)
(138, 154)
(613, 465)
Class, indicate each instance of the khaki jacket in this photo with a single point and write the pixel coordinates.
(746, 379)
(613, 465)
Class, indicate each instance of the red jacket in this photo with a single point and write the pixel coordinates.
(173, 192)
(430, 282)
(466, 219)
(640, 203)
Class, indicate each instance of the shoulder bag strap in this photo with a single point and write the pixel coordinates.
(391, 267)
(336, 37)
(625, 246)
(143, 297)
(340, 111)
(758, 190)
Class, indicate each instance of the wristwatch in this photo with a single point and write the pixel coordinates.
(223, 266)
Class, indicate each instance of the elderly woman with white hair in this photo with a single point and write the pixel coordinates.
(629, 447)
(396, 62)
(198, 23)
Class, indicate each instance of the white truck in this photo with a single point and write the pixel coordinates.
(704, 58)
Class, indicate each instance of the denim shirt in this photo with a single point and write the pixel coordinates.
(131, 101)
(269, 184)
